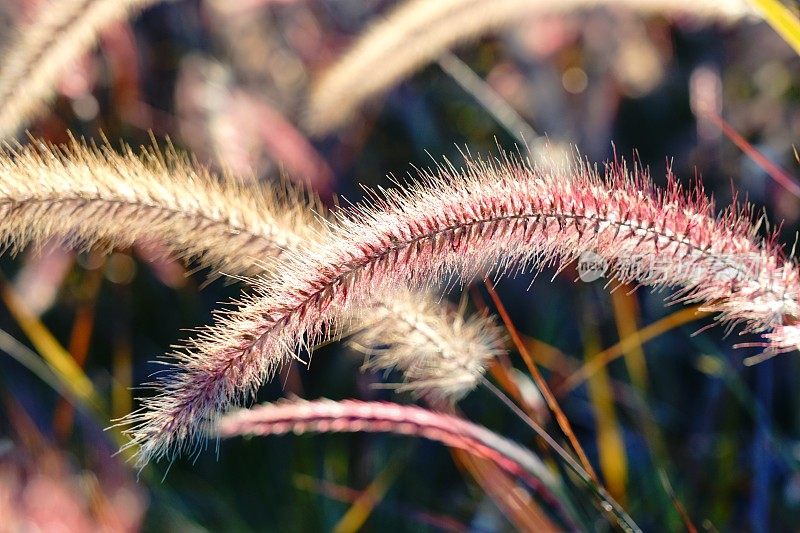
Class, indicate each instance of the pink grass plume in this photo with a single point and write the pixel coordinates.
(503, 216)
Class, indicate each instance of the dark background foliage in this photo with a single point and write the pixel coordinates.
(727, 434)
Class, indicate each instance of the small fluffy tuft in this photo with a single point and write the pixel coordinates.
(442, 353)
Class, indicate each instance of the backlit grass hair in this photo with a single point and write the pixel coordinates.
(43, 49)
(91, 197)
(500, 216)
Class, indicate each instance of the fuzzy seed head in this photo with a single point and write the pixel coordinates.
(442, 354)
(89, 197)
(417, 32)
(504, 215)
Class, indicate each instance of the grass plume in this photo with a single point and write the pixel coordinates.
(44, 48)
(441, 352)
(417, 32)
(504, 216)
(93, 197)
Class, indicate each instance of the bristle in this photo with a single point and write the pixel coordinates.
(490, 216)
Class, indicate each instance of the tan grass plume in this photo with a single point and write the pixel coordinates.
(43, 49)
(419, 31)
(441, 352)
(93, 197)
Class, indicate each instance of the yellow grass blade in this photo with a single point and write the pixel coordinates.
(659, 327)
(783, 21)
(57, 358)
(359, 512)
(626, 316)
(610, 443)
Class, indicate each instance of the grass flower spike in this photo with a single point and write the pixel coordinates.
(328, 416)
(441, 352)
(91, 197)
(176, 250)
(504, 216)
(324, 416)
(419, 31)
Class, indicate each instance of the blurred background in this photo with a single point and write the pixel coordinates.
(674, 423)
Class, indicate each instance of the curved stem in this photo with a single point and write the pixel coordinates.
(607, 501)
